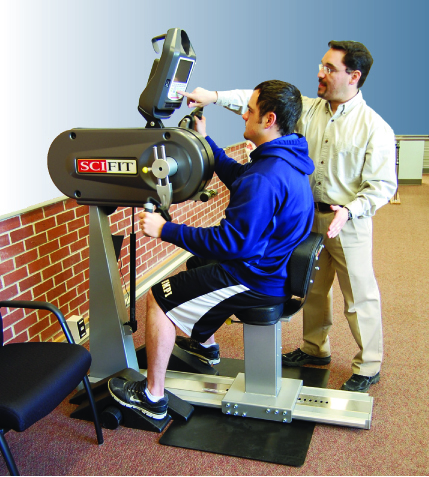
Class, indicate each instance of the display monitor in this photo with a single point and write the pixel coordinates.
(180, 78)
(170, 74)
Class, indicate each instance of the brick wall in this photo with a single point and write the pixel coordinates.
(44, 256)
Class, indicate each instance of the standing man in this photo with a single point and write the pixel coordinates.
(353, 150)
(245, 258)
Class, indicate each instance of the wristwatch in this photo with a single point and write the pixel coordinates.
(350, 216)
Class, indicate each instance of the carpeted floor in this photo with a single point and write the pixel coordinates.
(397, 443)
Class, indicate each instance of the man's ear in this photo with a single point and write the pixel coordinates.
(355, 77)
(270, 120)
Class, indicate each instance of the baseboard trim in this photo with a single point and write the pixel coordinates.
(410, 181)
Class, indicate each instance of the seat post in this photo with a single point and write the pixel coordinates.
(262, 358)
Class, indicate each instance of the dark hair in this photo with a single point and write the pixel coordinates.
(357, 57)
(284, 100)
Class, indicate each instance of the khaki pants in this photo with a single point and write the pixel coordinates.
(350, 256)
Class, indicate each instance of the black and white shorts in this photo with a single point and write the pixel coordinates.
(199, 300)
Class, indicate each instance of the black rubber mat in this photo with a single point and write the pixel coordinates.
(210, 430)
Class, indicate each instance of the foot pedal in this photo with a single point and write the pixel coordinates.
(127, 417)
(112, 415)
(180, 360)
(178, 408)
(135, 419)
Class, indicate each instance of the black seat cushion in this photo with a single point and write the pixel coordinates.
(261, 316)
(22, 367)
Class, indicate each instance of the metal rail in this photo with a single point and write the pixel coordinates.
(324, 406)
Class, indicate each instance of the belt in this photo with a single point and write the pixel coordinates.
(321, 207)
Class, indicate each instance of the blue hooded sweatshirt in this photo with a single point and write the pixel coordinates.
(270, 212)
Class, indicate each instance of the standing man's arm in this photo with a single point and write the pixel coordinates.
(235, 100)
(378, 180)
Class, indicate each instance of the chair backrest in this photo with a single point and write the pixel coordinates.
(1, 330)
(39, 305)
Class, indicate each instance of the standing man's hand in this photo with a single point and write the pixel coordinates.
(200, 97)
(151, 224)
(340, 218)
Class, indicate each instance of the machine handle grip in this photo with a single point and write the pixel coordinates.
(148, 207)
(188, 121)
(155, 40)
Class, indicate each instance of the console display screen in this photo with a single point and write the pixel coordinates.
(181, 77)
(183, 70)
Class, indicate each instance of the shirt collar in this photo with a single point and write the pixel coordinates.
(350, 104)
(346, 107)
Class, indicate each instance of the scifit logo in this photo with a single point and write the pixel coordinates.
(107, 166)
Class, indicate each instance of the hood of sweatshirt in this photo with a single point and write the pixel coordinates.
(297, 148)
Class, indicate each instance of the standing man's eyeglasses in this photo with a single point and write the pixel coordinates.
(328, 70)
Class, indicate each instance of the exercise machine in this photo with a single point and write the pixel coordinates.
(107, 168)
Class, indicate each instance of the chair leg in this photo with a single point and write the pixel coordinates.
(91, 399)
(7, 454)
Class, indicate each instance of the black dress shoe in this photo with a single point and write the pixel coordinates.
(360, 383)
(299, 358)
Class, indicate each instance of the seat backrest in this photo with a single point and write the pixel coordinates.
(301, 267)
(301, 264)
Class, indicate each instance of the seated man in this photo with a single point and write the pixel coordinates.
(245, 257)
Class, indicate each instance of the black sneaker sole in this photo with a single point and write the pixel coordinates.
(202, 358)
(298, 364)
(148, 413)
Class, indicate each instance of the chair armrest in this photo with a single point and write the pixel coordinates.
(41, 305)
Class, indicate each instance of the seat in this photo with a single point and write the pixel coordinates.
(36, 377)
(262, 325)
(300, 268)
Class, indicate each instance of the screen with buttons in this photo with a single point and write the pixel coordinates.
(181, 78)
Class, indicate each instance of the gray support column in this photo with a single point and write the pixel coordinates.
(111, 343)
(262, 358)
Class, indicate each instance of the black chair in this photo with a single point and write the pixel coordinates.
(36, 377)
